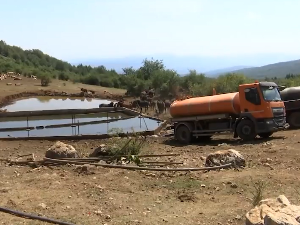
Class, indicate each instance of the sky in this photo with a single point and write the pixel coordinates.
(98, 29)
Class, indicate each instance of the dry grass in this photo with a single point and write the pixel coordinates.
(29, 84)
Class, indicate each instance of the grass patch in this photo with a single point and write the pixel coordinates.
(258, 191)
(127, 149)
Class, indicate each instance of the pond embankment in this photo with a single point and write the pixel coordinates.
(9, 99)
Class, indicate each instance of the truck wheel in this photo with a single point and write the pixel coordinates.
(265, 135)
(246, 130)
(183, 134)
(294, 120)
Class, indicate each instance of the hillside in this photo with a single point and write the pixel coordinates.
(214, 73)
(279, 70)
(151, 73)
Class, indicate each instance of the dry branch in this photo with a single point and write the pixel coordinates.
(137, 167)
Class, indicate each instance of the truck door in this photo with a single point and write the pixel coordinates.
(253, 102)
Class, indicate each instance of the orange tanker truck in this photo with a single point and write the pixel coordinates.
(256, 109)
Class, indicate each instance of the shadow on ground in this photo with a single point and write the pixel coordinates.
(215, 142)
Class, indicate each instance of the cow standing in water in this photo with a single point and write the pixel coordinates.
(111, 104)
(125, 105)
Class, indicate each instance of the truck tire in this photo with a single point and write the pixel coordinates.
(246, 130)
(265, 135)
(183, 134)
(294, 120)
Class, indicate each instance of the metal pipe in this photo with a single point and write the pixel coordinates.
(33, 217)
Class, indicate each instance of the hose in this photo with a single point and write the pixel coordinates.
(138, 167)
(33, 217)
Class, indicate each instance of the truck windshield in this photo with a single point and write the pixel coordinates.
(270, 93)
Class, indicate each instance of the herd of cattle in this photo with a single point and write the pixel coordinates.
(15, 76)
(159, 106)
(147, 101)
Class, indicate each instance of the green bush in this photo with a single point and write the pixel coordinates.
(45, 80)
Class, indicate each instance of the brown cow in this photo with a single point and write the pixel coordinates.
(167, 105)
(126, 105)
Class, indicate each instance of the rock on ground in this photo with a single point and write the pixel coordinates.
(100, 151)
(61, 150)
(104, 150)
(274, 211)
(223, 157)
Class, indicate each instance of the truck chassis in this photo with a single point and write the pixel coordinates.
(204, 127)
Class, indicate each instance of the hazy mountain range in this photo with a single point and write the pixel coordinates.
(259, 66)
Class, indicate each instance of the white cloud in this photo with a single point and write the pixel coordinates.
(253, 16)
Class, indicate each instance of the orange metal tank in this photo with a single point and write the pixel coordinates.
(207, 105)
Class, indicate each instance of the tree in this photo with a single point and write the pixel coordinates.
(149, 67)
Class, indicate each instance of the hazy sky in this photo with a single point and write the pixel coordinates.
(72, 29)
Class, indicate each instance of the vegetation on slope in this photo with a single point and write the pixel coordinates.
(280, 70)
(151, 74)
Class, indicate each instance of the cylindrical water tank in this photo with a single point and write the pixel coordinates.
(208, 105)
(292, 93)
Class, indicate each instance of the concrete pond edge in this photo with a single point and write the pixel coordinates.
(11, 98)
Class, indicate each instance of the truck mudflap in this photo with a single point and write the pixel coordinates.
(271, 125)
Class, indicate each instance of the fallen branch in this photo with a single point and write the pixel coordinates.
(137, 167)
(33, 217)
(161, 162)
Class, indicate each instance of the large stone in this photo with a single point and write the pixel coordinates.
(104, 150)
(61, 150)
(274, 211)
(224, 157)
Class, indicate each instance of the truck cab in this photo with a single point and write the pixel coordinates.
(260, 103)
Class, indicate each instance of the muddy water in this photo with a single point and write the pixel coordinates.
(48, 103)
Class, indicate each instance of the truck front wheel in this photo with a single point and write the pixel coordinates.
(183, 134)
(246, 130)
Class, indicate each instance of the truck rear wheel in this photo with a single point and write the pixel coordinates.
(246, 130)
(294, 120)
(183, 134)
(265, 135)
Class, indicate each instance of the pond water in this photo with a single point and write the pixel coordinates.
(127, 124)
(49, 102)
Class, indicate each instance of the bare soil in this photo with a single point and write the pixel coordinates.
(116, 196)
(31, 85)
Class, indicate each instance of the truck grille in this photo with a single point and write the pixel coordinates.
(279, 116)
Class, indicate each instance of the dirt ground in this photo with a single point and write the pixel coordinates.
(29, 84)
(116, 196)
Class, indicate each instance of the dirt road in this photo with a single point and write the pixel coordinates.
(115, 196)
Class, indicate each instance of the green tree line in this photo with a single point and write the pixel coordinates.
(151, 74)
